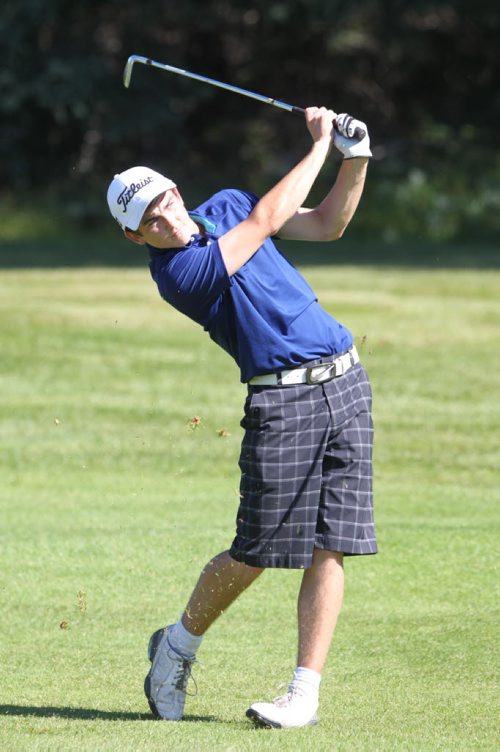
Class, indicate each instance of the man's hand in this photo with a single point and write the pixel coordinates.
(320, 122)
(348, 146)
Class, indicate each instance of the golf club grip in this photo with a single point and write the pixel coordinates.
(359, 133)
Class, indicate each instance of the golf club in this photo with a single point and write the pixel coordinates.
(359, 133)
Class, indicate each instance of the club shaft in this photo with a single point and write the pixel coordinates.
(127, 74)
(204, 79)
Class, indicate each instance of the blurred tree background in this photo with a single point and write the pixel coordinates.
(424, 76)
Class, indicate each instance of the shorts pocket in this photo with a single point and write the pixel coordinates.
(265, 410)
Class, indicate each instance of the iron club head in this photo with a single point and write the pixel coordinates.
(127, 72)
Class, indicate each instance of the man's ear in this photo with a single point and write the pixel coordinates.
(135, 237)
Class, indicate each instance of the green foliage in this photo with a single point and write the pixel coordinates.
(421, 203)
(422, 76)
(25, 222)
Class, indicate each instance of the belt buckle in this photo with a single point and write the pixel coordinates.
(327, 371)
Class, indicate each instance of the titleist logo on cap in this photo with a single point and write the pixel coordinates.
(129, 192)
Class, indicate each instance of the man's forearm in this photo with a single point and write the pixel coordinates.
(338, 207)
(329, 220)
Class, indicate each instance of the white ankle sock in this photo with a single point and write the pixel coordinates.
(183, 641)
(307, 679)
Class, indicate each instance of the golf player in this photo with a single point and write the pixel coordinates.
(306, 454)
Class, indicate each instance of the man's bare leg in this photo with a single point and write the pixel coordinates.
(222, 580)
(319, 604)
(172, 650)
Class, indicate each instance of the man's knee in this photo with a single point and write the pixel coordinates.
(245, 571)
(330, 559)
(225, 561)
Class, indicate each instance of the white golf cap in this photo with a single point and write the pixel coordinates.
(131, 192)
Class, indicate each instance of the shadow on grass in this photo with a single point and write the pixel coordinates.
(112, 250)
(89, 714)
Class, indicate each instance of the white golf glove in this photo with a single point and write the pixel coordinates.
(345, 141)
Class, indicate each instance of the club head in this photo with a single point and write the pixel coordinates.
(127, 71)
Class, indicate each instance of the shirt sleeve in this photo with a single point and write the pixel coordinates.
(193, 280)
(247, 200)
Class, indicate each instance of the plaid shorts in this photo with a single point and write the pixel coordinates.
(306, 472)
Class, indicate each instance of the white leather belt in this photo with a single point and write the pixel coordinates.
(317, 374)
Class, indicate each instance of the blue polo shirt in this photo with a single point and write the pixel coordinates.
(265, 315)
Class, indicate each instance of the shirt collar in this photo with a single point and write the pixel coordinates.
(203, 221)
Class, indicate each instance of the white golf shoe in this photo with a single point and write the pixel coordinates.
(292, 710)
(166, 683)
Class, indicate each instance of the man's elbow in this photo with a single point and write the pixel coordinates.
(334, 233)
(268, 220)
(332, 227)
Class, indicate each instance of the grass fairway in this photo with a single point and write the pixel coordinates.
(112, 501)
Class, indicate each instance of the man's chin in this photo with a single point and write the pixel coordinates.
(170, 244)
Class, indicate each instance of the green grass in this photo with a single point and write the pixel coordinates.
(111, 503)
